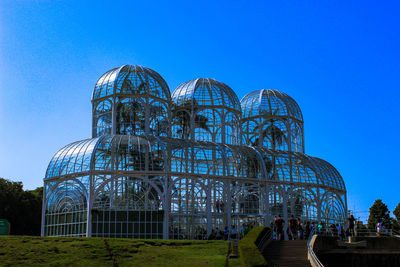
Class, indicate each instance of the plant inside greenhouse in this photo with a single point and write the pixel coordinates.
(181, 166)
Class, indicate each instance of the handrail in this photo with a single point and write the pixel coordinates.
(373, 232)
(359, 232)
(265, 240)
(326, 231)
(315, 261)
(396, 233)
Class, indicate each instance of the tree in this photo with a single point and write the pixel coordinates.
(396, 212)
(396, 220)
(379, 212)
(130, 114)
(395, 224)
(181, 116)
(21, 208)
(276, 137)
(272, 132)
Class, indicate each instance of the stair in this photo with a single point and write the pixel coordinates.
(235, 249)
(291, 253)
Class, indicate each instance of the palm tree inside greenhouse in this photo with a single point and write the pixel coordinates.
(182, 116)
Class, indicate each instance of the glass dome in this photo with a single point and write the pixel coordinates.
(131, 100)
(270, 102)
(131, 79)
(273, 120)
(206, 110)
(206, 92)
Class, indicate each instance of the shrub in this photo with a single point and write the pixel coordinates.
(250, 256)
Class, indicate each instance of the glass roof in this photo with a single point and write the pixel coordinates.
(129, 153)
(206, 92)
(132, 80)
(269, 102)
(73, 158)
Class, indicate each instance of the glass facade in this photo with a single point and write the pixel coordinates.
(178, 167)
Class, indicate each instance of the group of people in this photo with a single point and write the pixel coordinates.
(229, 234)
(223, 234)
(298, 230)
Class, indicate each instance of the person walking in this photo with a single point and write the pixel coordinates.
(226, 233)
(233, 233)
(300, 231)
(218, 234)
(279, 222)
(332, 229)
(320, 227)
(307, 230)
(378, 228)
(292, 228)
(351, 220)
(339, 230)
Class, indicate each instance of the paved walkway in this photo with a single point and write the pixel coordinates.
(291, 253)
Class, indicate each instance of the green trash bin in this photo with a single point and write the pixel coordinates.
(4, 227)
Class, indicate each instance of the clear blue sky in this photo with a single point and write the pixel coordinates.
(339, 60)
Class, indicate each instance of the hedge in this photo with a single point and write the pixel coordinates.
(250, 256)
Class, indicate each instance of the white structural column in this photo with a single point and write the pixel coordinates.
(166, 207)
(89, 199)
(319, 202)
(285, 214)
(208, 207)
(44, 204)
(267, 209)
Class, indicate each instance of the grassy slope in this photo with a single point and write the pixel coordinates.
(45, 251)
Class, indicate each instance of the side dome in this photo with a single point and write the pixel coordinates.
(131, 79)
(108, 153)
(272, 119)
(206, 110)
(131, 100)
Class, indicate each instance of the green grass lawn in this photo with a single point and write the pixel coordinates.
(51, 251)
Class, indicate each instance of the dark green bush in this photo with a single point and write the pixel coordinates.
(250, 256)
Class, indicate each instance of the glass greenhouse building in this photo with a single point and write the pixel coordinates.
(179, 166)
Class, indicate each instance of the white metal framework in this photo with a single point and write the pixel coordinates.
(179, 167)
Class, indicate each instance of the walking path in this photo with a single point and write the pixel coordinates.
(291, 253)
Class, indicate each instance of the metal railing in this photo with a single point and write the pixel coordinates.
(265, 240)
(366, 232)
(314, 259)
(373, 232)
(357, 233)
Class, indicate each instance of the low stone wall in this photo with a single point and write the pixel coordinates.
(363, 251)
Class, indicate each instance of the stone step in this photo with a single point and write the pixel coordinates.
(288, 247)
(288, 263)
(294, 254)
(272, 251)
(287, 253)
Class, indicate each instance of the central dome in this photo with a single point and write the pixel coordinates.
(206, 110)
